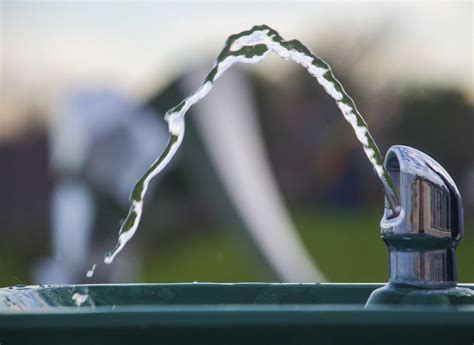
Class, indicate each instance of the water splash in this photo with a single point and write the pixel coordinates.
(81, 296)
(253, 46)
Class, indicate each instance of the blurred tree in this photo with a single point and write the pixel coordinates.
(439, 122)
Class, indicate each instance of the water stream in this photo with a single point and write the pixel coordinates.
(253, 46)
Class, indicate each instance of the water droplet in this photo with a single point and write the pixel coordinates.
(90, 272)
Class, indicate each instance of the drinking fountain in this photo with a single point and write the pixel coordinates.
(421, 304)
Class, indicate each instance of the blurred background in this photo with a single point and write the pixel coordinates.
(270, 183)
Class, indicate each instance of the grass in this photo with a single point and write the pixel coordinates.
(345, 244)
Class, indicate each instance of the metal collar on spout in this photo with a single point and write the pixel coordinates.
(422, 239)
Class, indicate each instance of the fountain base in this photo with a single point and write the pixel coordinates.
(399, 294)
(205, 313)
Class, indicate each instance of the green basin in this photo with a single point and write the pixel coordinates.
(207, 313)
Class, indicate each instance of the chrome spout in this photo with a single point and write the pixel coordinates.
(422, 240)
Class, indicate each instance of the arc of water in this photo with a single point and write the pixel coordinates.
(253, 46)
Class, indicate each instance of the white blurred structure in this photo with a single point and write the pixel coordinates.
(227, 121)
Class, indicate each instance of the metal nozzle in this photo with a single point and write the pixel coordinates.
(422, 239)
